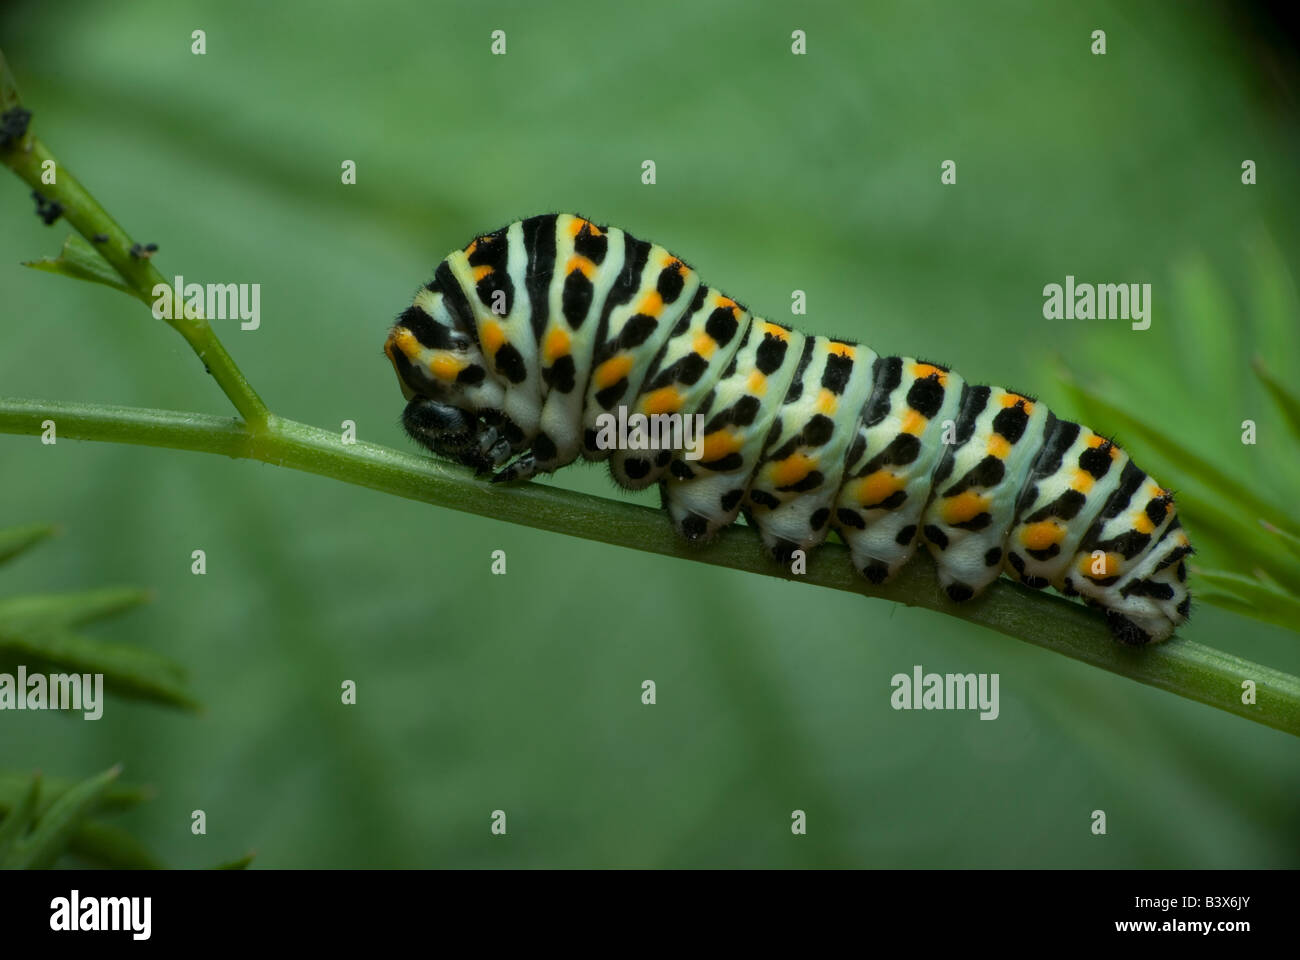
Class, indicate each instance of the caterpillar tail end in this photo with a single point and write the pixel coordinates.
(1142, 632)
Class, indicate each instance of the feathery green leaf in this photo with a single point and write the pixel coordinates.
(52, 833)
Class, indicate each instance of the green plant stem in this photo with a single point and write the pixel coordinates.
(83, 212)
(1188, 669)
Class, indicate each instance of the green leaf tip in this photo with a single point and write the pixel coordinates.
(1256, 597)
(69, 609)
(1291, 541)
(122, 796)
(81, 261)
(1286, 401)
(15, 540)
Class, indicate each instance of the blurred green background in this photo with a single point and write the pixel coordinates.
(522, 692)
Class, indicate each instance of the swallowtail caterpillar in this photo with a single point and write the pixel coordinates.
(524, 338)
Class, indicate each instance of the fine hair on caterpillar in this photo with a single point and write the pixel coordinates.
(513, 357)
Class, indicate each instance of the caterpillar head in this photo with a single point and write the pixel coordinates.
(454, 407)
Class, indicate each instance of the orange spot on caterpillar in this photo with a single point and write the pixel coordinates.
(964, 507)
(406, 342)
(1095, 441)
(577, 223)
(582, 264)
(612, 370)
(719, 443)
(1109, 564)
(914, 422)
(492, 336)
(878, 486)
(923, 370)
(1009, 399)
(557, 345)
(651, 304)
(446, 367)
(663, 400)
(792, 469)
(1041, 535)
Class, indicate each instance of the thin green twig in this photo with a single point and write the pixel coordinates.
(29, 159)
(1188, 669)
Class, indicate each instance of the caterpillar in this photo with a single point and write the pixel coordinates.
(509, 356)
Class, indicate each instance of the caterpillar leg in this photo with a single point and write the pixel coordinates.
(523, 468)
